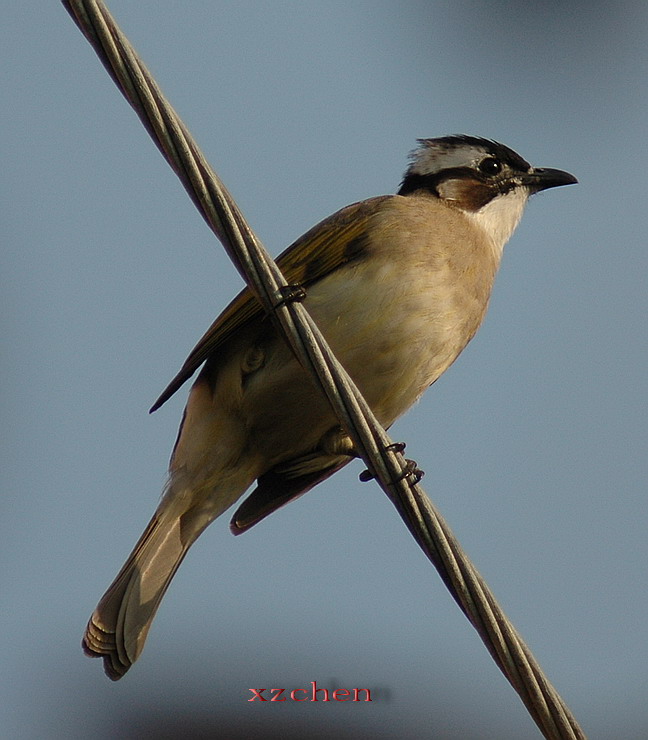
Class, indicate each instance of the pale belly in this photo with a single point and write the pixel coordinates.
(394, 338)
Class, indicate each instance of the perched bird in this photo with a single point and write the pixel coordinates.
(398, 285)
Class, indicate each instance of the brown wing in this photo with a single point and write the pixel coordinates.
(330, 244)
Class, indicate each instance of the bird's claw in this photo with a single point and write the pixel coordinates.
(294, 293)
(411, 469)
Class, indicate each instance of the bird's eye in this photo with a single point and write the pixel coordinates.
(490, 166)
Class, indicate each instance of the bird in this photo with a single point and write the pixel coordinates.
(398, 285)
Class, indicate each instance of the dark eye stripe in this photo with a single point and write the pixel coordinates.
(413, 182)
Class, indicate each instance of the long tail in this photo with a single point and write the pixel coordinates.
(208, 472)
(119, 625)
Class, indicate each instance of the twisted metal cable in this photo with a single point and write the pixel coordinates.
(383, 459)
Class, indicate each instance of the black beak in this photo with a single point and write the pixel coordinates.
(541, 178)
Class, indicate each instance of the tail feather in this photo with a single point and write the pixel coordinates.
(119, 625)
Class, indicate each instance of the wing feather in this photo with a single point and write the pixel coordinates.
(337, 240)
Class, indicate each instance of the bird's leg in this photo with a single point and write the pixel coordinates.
(294, 293)
(336, 442)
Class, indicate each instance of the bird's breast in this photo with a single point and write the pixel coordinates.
(399, 318)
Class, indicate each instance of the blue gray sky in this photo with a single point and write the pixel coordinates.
(534, 443)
